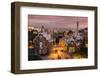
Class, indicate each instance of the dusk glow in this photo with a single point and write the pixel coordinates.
(69, 22)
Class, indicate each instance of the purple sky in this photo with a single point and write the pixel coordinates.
(48, 21)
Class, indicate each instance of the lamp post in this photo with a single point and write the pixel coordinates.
(77, 26)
